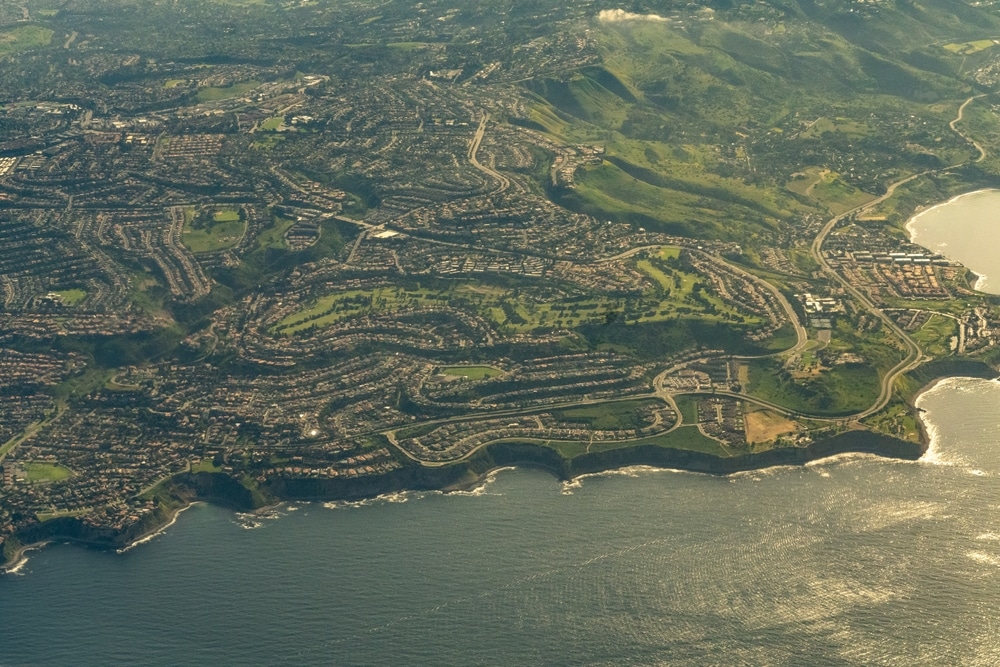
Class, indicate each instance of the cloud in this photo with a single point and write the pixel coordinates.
(616, 15)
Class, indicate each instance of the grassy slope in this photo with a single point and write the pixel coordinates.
(669, 102)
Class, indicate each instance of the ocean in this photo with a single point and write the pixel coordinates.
(964, 229)
(855, 560)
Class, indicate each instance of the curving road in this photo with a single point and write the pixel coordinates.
(474, 148)
(913, 354)
(801, 335)
(958, 119)
(913, 358)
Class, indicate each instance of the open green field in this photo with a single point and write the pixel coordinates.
(71, 297)
(685, 437)
(212, 94)
(968, 48)
(274, 236)
(619, 415)
(840, 390)
(266, 142)
(688, 406)
(272, 124)
(222, 230)
(23, 38)
(48, 516)
(79, 385)
(205, 465)
(39, 472)
(113, 385)
(472, 372)
(608, 192)
(846, 126)
(803, 182)
(837, 195)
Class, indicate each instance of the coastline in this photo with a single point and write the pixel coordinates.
(469, 475)
(981, 279)
(156, 530)
(20, 558)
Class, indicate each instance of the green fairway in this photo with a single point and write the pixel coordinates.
(659, 276)
(675, 293)
(937, 335)
(473, 372)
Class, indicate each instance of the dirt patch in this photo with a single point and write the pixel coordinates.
(764, 426)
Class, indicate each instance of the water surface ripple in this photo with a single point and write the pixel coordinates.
(851, 561)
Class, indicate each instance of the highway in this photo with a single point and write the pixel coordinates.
(474, 148)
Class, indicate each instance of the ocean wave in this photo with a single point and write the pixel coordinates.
(17, 568)
(982, 557)
(260, 517)
(396, 497)
(759, 474)
(481, 489)
(569, 486)
(843, 459)
(157, 532)
(936, 454)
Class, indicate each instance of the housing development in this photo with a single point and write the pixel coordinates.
(312, 248)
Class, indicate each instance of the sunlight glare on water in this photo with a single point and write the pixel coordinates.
(855, 560)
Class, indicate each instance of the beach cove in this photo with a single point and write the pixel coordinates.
(964, 229)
